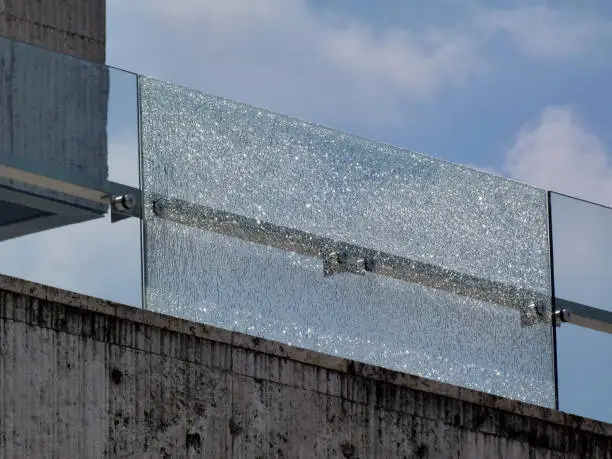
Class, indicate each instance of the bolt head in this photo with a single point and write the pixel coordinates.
(566, 315)
(342, 257)
(159, 208)
(128, 201)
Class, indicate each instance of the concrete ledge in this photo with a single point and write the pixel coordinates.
(251, 370)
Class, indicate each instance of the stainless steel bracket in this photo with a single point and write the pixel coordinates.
(342, 257)
(124, 201)
(582, 315)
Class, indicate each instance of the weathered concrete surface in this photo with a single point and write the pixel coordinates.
(76, 27)
(81, 377)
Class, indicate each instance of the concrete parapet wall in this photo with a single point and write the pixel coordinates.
(81, 377)
(76, 27)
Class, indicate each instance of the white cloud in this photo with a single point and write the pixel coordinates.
(549, 32)
(407, 64)
(559, 153)
(296, 58)
(290, 57)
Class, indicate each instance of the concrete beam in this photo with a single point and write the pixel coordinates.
(82, 377)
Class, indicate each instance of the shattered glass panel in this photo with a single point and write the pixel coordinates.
(268, 225)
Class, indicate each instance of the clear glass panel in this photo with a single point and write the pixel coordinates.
(301, 234)
(53, 116)
(584, 366)
(71, 118)
(123, 156)
(582, 252)
(96, 258)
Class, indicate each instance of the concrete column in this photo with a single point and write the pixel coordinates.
(76, 27)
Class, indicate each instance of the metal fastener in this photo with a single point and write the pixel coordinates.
(123, 203)
(159, 208)
(563, 315)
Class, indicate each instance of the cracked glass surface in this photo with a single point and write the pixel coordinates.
(436, 269)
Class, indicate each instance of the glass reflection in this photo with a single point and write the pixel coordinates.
(582, 252)
(71, 118)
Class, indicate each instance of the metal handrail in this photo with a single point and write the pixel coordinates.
(339, 256)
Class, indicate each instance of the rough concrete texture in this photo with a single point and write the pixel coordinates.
(74, 27)
(81, 377)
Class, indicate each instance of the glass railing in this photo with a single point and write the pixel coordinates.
(68, 138)
(582, 257)
(263, 224)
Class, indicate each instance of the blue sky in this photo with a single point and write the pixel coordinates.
(521, 88)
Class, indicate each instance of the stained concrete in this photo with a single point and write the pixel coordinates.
(76, 27)
(81, 377)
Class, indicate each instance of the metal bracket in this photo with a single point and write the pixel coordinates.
(343, 257)
(23, 212)
(561, 316)
(342, 262)
(125, 201)
(531, 313)
(583, 316)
